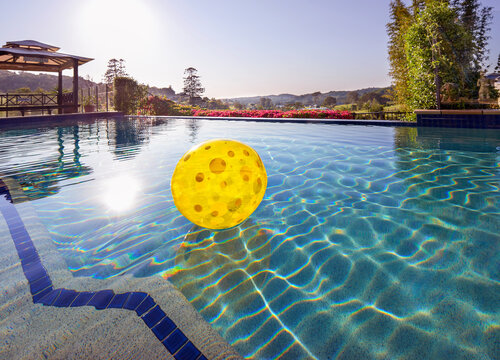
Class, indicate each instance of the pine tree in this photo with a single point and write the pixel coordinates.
(497, 68)
(192, 85)
(417, 6)
(476, 19)
(115, 68)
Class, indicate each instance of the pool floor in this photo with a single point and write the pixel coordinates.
(370, 243)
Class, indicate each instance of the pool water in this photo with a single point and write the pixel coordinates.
(370, 243)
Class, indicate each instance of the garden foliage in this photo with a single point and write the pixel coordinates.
(434, 42)
(129, 95)
(157, 105)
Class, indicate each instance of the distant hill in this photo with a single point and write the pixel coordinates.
(306, 99)
(12, 80)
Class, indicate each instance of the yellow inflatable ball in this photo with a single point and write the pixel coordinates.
(219, 183)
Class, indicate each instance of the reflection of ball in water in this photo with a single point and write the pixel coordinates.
(219, 183)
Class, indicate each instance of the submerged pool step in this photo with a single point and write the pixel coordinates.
(43, 292)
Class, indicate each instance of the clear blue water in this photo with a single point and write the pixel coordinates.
(370, 243)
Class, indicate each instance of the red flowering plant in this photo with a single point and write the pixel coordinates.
(158, 105)
(308, 114)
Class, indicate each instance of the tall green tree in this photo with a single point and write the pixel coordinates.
(435, 44)
(129, 95)
(497, 68)
(396, 29)
(476, 20)
(437, 47)
(192, 85)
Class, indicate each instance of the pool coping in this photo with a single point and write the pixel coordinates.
(162, 307)
(288, 120)
(58, 117)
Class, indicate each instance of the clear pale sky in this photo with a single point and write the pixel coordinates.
(240, 48)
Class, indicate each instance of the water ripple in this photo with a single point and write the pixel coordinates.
(364, 247)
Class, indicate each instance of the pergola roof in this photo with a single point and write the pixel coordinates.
(31, 44)
(30, 55)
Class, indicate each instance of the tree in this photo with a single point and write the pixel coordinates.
(396, 29)
(265, 103)
(129, 95)
(315, 96)
(445, 52)
(238, 106)
(215, 104)
(22, 90)
(192, 85)
(352, 97)
(298, 105)
(329, 101)
(115, 69)
(476, 20)
(434, 45)
(497, 68)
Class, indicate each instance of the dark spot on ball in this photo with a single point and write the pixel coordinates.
(246, 153)
(234, 205)
(223, 184)
(215, 213)
(230, 153)
(186, 158)
(199, 177)
(198, 208)
(245, 173)
(217, 165)
(257, 186)
(207, 147)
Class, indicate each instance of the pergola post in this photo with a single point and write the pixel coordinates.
(59, 92)
(75, 84)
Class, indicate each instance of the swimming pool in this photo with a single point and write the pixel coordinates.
(370, 243)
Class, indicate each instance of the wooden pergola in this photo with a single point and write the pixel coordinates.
(30, 55)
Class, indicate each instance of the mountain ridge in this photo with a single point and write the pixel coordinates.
(285, 98)
(11, 80)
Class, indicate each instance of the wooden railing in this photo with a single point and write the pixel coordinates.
(34, 101)
(99, 97)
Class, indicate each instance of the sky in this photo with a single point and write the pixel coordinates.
(240, 48)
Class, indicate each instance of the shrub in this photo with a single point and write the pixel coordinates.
(161, 106)
(128, 94)
(157, 105)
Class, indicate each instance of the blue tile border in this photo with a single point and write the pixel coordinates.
(43, 292)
